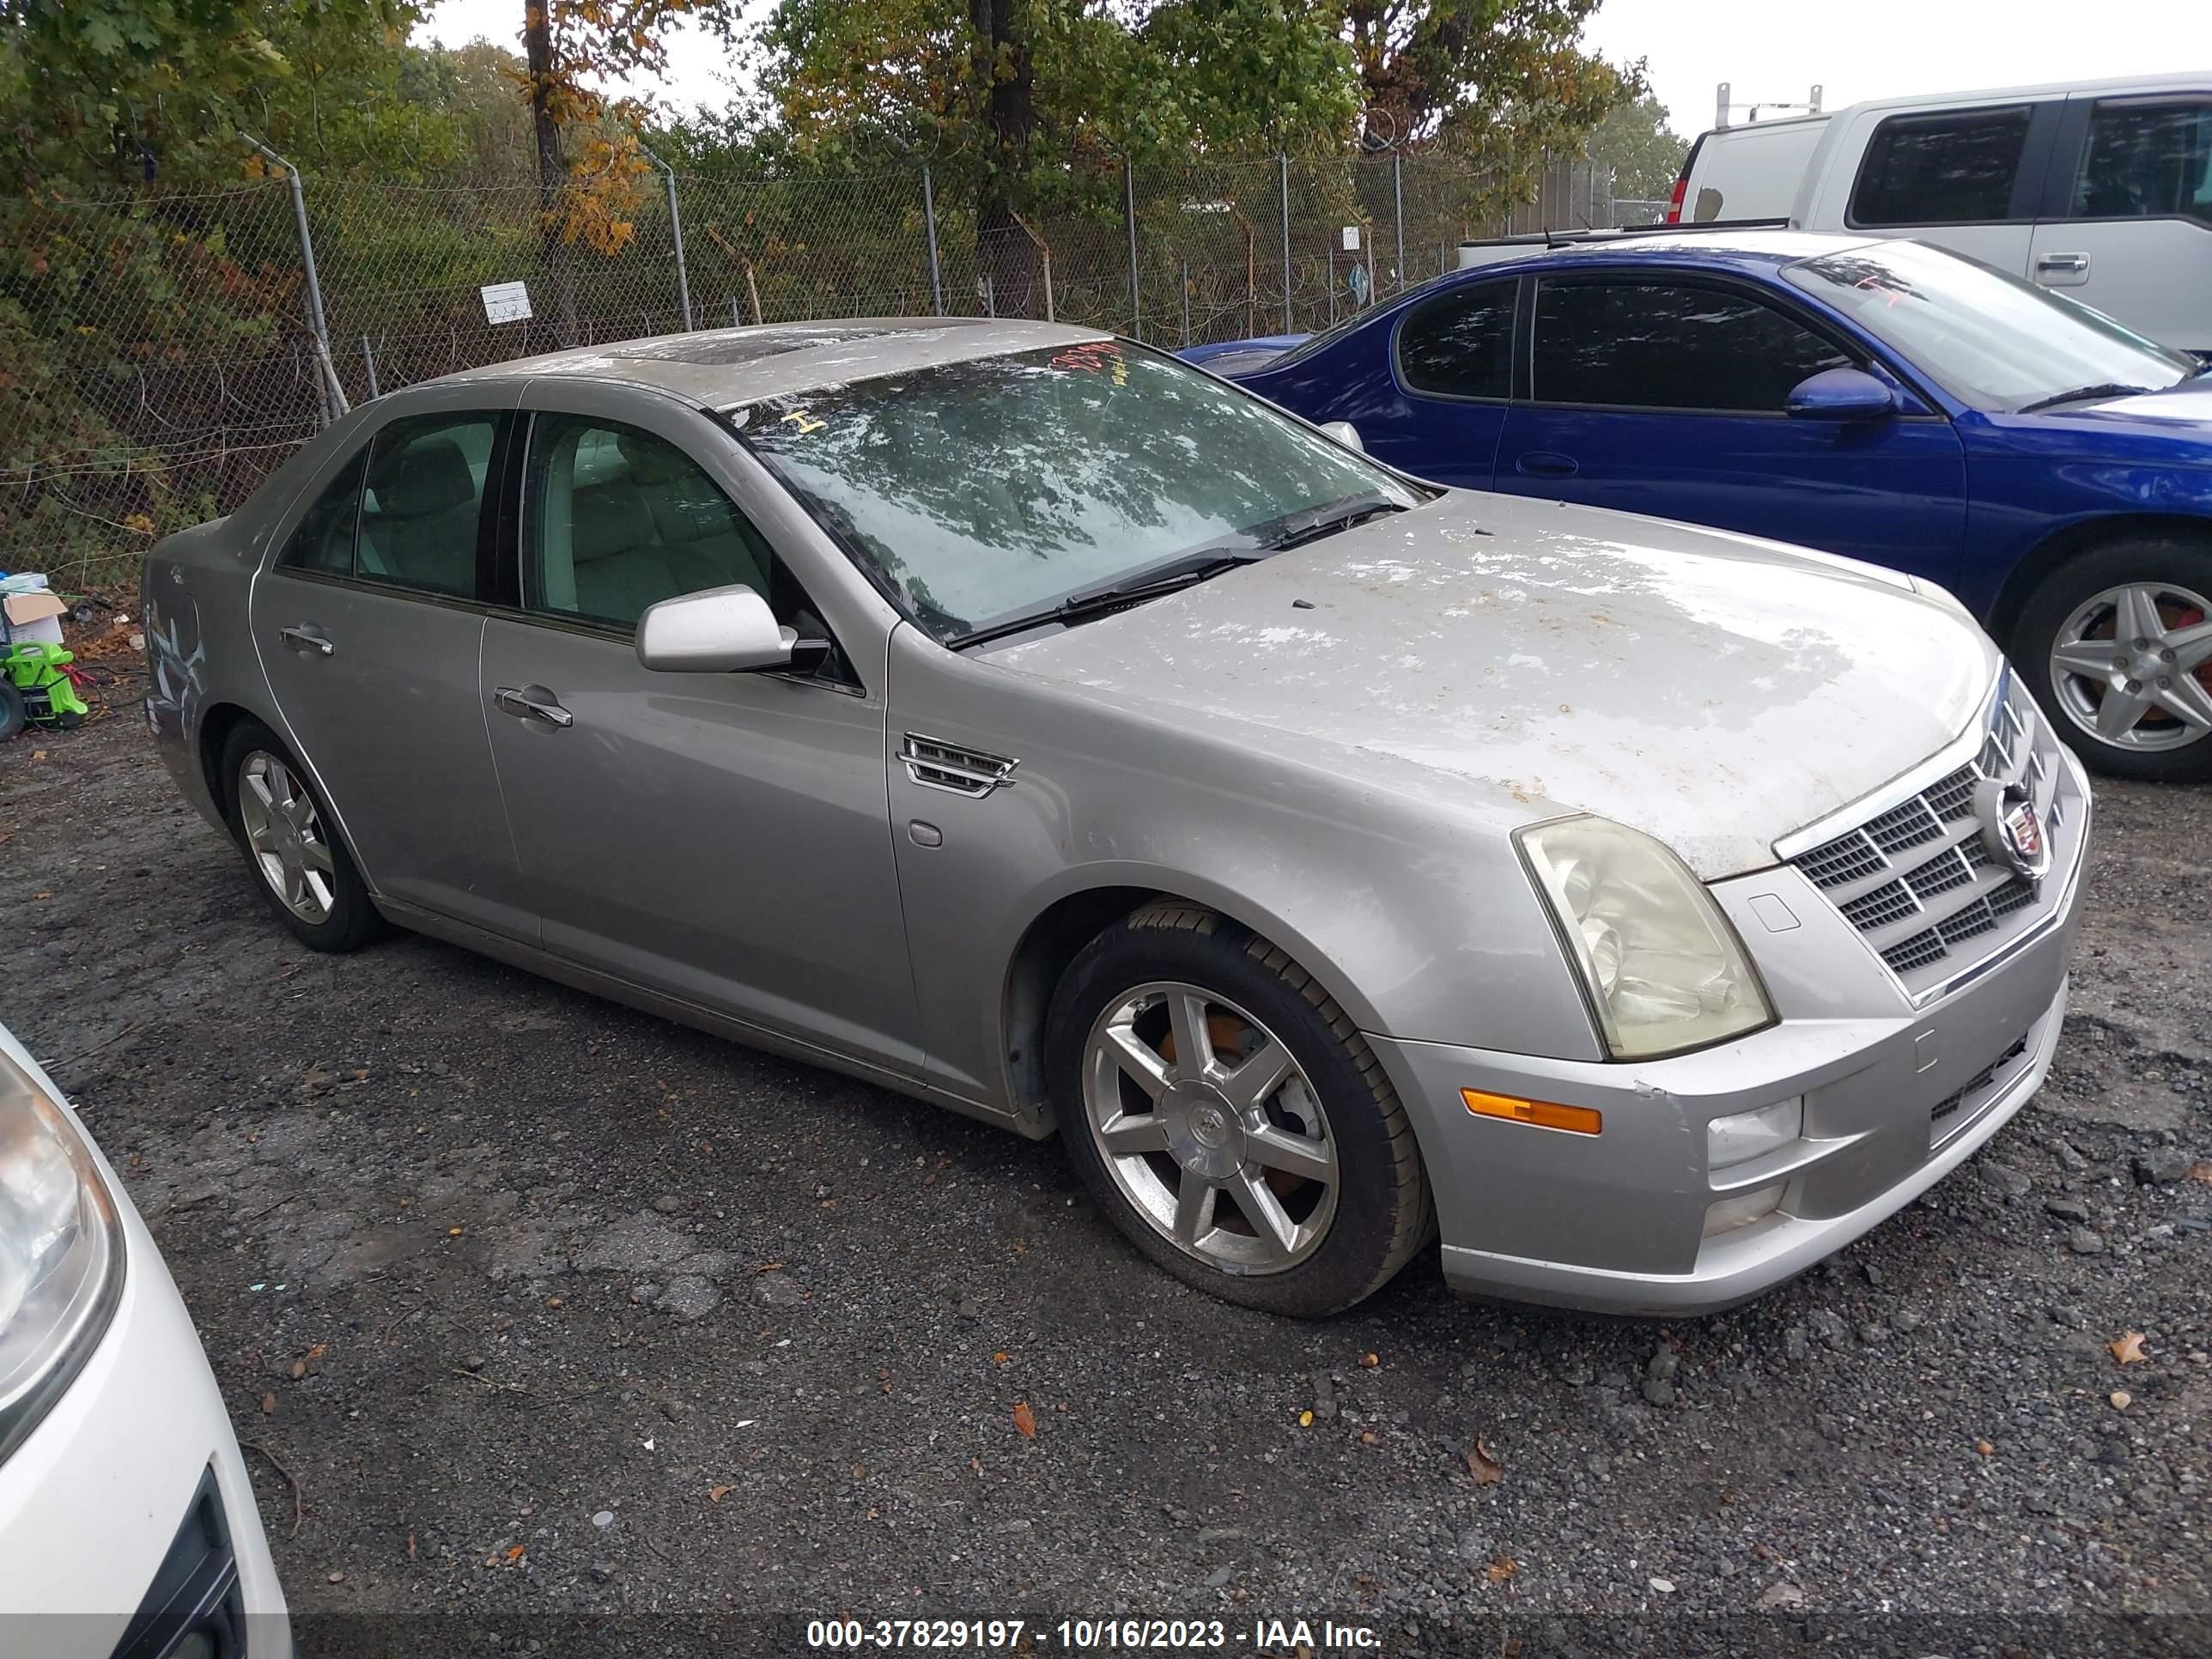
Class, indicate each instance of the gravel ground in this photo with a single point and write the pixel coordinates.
(557, 1312)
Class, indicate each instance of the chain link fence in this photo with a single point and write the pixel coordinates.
(160, 355)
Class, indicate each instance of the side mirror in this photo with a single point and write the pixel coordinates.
(1840, 394)
(1345, 433)
(717, 630)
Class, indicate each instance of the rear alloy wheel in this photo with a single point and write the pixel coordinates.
(1229, 1118)
(304, 871)
(2122, 641)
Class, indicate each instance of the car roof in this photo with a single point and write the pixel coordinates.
(1745, 248)
(721, 368)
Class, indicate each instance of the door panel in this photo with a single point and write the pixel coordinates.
(1665, 398)
(387, 722)
(724, 838)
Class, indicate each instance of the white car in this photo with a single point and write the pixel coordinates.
(127, 1523)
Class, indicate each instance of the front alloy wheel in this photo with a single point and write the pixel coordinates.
(1210, 1128)
(2132, 666)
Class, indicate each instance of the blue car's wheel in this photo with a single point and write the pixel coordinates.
(2117, 646)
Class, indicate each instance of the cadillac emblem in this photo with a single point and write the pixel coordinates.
(2011, 831)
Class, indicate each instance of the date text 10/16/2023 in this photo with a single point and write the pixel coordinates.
(1258, 1637)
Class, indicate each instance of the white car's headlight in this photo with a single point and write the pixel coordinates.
(61, 1252)
(1664, 969)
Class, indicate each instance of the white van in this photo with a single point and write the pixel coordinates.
(2102, 189)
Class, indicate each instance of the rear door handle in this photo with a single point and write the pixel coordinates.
(533, 703)
(1547, 464)
(306, 637)
(2071, 262)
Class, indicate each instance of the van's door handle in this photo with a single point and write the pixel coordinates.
(1547, 464)
(533, 703)
(306, 637)
(2067, 261)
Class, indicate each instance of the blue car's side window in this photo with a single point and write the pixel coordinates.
(1459, 344)
(1658, 345)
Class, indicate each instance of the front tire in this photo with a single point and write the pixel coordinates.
(285, 832)
(2117, 646)
(1279, 1169)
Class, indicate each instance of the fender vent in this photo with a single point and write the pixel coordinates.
(935, 764)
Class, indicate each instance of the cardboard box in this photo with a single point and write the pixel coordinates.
(34, 618)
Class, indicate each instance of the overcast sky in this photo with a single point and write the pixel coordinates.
(1770, 50)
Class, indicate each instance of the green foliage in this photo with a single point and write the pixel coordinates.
(1643, 152)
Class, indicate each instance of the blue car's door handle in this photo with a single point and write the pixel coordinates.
(1547, 464)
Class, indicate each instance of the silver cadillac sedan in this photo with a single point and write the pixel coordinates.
(1027, 721)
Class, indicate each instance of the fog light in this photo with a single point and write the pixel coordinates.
(1744, 1208)
(1746, 1135)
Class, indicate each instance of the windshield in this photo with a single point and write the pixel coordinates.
(981, 489)
(1987, 338)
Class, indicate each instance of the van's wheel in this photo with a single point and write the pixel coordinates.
(1228, 1116)
(2117, 646)
(299, 864)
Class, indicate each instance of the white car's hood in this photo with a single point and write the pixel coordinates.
(1713, 690)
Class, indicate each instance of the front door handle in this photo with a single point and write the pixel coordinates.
(306, 637)
(1547, 464)
(533, 703)
(2067, 261)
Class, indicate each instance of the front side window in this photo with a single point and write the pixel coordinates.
(1652, 345)
(980, 490)
(1955, 167)
(2147, 159)
(1461, 344)
(420, 514)
(1987, 337)
(618, 519)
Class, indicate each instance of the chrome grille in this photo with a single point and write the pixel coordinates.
(1915, 877)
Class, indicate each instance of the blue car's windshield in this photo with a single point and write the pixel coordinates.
(1987, 338)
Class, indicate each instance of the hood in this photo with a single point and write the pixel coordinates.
(1713, 690)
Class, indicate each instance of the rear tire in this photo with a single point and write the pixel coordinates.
(1281, 1173)
(13, 717)
(2129, 710)
(297, 861)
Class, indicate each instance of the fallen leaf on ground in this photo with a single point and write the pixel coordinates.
(2127, 1349)
(1784, 1595)
(269, 1405)
(1367, 1438)
(1025, 1420)
(716, 1494)
(1305, 1420)
(2122, 1399)
(1503, 1568)
(299, 1369)
(1483, 1465)
(1370, 1361)
(2200, 1171)
(1002, 1359)
(410, 1546)
(1984, 1447)
(318, 1351)
(1664, 1586)
(515, 1554)
(455, 1232)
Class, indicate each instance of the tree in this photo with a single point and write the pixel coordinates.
(1508, 79)
(1643, 152)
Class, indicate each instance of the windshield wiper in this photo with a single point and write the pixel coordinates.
(1101, 601)
(2109, 390)
(1296, 529)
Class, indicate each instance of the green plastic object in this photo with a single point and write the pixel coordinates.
(40, 674)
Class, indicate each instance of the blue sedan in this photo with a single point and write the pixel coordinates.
(1881, 399)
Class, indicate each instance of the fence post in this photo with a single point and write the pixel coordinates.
(368, 358)
(676, 233)
(1186, 303)
(990, 294)
(1129, 216)
(332, 398)
(1398, 211)
(1283, 164)
(929, 219)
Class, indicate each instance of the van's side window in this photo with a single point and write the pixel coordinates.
(1957, 166)
(2144, 160)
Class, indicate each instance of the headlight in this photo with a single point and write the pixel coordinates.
(61, 1252)
(1662, 966)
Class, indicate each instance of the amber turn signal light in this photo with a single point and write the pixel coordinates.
(1544, 1114)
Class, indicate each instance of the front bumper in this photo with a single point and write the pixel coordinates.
(129, 1506)
(1895, 1098)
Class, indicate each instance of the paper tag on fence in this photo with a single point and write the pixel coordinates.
(507, 302)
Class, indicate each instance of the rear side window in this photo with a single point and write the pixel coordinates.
(324, 540)
(1461, 344)
(2147, 159)
(1955, 167)
(1647, 346)
(420, 514)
